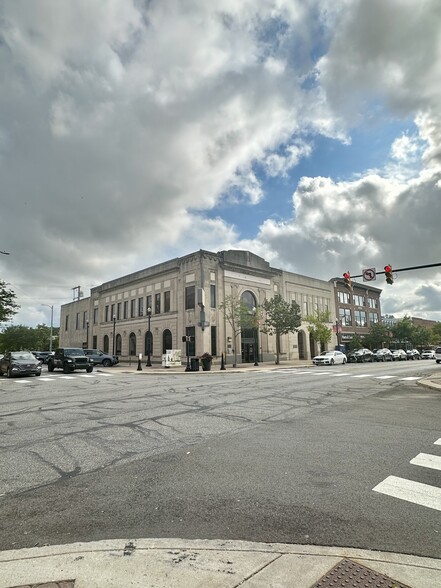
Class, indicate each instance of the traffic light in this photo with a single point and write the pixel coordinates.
(388, 273)
(348, 281)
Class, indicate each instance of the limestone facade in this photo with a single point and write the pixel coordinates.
(184, 295)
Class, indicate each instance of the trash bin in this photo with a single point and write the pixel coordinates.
(194, 364)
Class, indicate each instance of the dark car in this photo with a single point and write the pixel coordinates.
(361, 356)
(413, 354)
(383, 354)
(42, 355)
(69, 359)
(101, 358)
(19, 363)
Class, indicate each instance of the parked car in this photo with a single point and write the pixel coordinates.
(101, 358)
(69, 359)
(361, 356)
(399, 355)
(329, 358)
(428, 354)
(413, 354)
(42, 355)
(19, 363)
(438, 354)
(383, 355)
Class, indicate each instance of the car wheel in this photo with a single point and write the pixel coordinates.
(36, 375)
(107, 363)
(50, 367)
(344, 361)
(332, 362)
(90, 369)
(66, 369)
(9, 373)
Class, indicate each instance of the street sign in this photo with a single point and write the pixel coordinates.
(369, 274)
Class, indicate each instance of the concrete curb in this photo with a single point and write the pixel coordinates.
(173, 563)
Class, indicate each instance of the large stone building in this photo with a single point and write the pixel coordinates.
(150, 311)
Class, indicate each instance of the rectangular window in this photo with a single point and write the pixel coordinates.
(360, 318)
(66, 323)
(305, 308)
(95, 316)
(191, 345)
(213, 341)
(77, 321)
(118, 311)
(140, 306)
(190, 297)
(157, 303)
(94, 341)
(343, 297)
(148, 302)
(345, 317)
(213, 296)
(126, 309)
(112, 312)
(167, 301)
(372, 303)
(84, 319)
(373, 318)
(358, 300)
(106, 313)
(132, 308)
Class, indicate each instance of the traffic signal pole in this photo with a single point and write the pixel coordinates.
(405, 269)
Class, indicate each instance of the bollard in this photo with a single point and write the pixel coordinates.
(222, 367)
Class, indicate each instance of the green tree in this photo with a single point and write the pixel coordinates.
(239, 316)
(378, 335)
(280, 318)
(421, 337)
(18, 337)
(318, 328)
(403, 331)
(356, 343)
(436, 334)
(8, 306)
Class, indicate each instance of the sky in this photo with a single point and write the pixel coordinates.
(136, 131)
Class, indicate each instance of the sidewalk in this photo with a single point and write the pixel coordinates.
(179, 563)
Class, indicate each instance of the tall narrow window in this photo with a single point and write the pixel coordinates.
(140, 306)
(148, 302)
(118, 311)
(213, 341)
(77, 321)
(213, 295)
(66, 323)
(191, 332)
(106, 313)
(190, 297)
(95, 317)
(112, 312)
(167, 301)
(84, 319)
(132, 308)
(157, 303)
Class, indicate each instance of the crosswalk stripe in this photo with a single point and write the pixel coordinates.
(67, 377)
(437, 442)
(362, 376)
(384, 377)
(46, 379)
(427, 461)
(340, 375)
(410, 378)
(411, 491)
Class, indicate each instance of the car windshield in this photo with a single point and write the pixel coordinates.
(24, 356)
(73, 352)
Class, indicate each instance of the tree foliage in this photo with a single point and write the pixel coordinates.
(318, 326)
(403, 331)
(19, 337)
(8, 306)
(379, 333)
(279, 318)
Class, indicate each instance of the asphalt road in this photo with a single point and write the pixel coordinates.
(285, 456)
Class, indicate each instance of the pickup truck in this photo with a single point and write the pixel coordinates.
(69, 359)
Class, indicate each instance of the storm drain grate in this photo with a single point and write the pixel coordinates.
(57, 584)
(347, 574)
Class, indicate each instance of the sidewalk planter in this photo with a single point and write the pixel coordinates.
(206, 360)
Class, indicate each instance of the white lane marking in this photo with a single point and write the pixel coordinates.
(410, 378)
(362, 376)
(23, 381)
(411, 491)
(320, 373)
(105, 375)
(384, 377)
(67, 377)
(47, 379)
(340, 375)
(85, 376)
(427, 461)
(437, 442)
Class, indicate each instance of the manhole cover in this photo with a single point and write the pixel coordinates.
(58, 584)
(348, 574)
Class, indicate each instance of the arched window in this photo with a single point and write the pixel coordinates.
(106, 344)
(249, 299)
(167, 340)
(118, 345)
(148, 343)
(132, 344)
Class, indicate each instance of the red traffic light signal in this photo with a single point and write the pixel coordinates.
(388, 273)
(348, 281)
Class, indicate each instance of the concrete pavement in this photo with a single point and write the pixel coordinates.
(181, 563)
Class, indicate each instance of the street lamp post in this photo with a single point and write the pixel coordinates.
(51, 306)
(256, 337)
(149, 337)
(87, 334)
(114, 334)
(338, 331)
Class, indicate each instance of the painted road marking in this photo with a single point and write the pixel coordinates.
(427, 461)
(437, 442)
(411, 491)
(384, 377)
(67, 377)
(410, 378)
(362, 376)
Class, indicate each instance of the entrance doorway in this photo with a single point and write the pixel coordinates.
(249, 351)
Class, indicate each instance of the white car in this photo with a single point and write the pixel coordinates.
(428, 354)
(329, 358)
(399, 355)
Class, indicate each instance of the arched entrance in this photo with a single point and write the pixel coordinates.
(106, 344)
(249, 335)
(132, 344)
(118, 346)
(301, 342)
(167, 340)
(148, 344)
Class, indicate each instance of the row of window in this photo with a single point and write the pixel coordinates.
(358, 300)
(359, 320)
